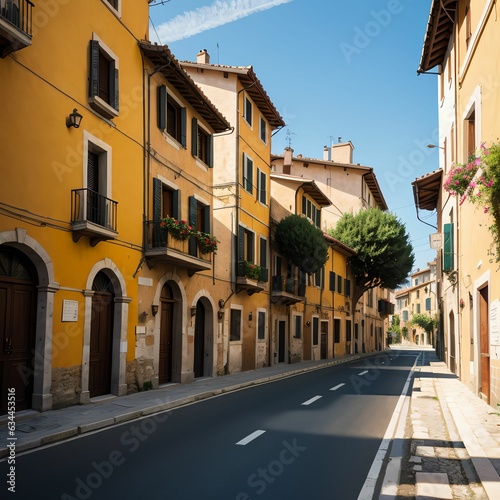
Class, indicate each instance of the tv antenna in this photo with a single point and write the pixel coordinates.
(288, 137)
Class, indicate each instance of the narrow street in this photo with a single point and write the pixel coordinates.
(313, 435)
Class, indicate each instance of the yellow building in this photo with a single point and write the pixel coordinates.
(241, 207)
(459, 41)
(178, 338)
(350, 187)
(71, 198)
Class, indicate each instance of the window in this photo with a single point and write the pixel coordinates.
(103, 79)
(470, 127)
(348, 329)
(319, 277)
(418, 294)
(166, 200)
(263, 253)
(247, 173)
(116, 5)
(176, 120)
(297, 327)
(347, 288)
(333, 279)
(339, 283)
(311, 211)
(199, 218)
(235, 329)
(246, 245)
(336, 331)
(418, 308)
(263, 130)
(428, 304)
(468, 29)
(261, 186)
(315, 330)
(261, 325)
(405, 315)
(416, 281)
(247, 110)
(201, 143)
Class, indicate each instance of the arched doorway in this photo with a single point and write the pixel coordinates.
(18, 299)
(101, 336)
(199, 341)
(166, 327)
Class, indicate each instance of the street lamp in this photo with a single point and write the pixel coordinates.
(432, 146)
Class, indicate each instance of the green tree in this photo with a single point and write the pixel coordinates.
(394, 328)
(425, 322)
(302, 243)
(384, 255)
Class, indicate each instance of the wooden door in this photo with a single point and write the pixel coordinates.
(101, 337)
(199, 341)
(17, 328)
(484, 343)
(281, 341)
(166, 327)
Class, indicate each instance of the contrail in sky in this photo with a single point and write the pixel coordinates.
(210, 16)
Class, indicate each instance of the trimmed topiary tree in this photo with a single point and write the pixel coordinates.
(302, 243)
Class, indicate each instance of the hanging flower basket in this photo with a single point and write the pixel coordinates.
(207, 243)
(178, 229)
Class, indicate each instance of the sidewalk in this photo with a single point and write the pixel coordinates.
(451, 440)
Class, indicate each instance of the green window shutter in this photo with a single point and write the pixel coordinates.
(263, 253)
(428, 304)
(193, 214)
(162, 107)
(176, 204)
(448, 251)
(157, 192)
(94, 68)
(347, 288)
(210, 151)
(339, 284)
(114, 97)
(241, 251)
(206, 220)
(194, 136)
(183, 126)
(332, 281)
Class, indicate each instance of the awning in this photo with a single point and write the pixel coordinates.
(426, 190)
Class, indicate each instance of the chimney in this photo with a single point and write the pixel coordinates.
(287, 159)
(203, 57)
(342, 152)
(326, 154)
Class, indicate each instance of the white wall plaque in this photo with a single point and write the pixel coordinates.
(494, 323)
(70, 310)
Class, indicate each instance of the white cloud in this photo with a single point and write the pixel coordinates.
(210, 16)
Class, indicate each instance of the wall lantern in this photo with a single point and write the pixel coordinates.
(74, 119)
(154, 309)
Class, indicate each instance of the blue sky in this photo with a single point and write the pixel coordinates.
(332, 69)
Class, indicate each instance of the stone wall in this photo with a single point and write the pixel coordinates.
(66, 386)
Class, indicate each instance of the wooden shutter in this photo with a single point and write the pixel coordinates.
(339, 284)
(210, 151)
(241, 243)
(206, 219)
(428, 304)
(332, 281)
(263, 253)
(347, 288)
(176, 204)
(94, 69)
(157, 195)
(194, 136)
(183, 126)
(162, 107)
(448, 261)
(192, 220)
(114, 99)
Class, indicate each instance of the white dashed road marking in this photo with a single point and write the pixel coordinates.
(337, 387)
(250, 437)
(312, 400)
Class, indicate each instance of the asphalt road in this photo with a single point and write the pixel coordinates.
(312, 436)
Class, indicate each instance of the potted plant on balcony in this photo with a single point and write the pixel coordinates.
(207, 243)
(178, 229)
(252, 271)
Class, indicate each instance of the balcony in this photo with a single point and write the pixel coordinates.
(15, 25)
(93, 215)
(284, 290)
(385, 308)
(163, 247)
(251, 277)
